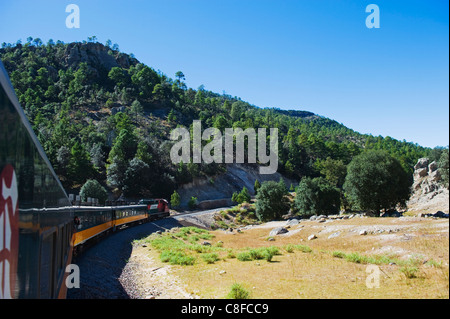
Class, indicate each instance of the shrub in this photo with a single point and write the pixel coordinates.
(238, 292)
(201, 248)
(410, 271)
(274, 250)
(356, 258)
(244, 256)
(289, 248)
(266, 253)
(243, 196)
(303, 248)
(176, 258)
(192, 202)
(231, 254)
(338, 254)
(175, 199)
(210, 258)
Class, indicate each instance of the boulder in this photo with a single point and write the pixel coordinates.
(435, 176)
(422, 172)
(440, 214)
(421, 163)
(278, 231)
(391, 213)
(292, 222)
(433, 166)
(117, 109)
(311, 237)
(333, 235)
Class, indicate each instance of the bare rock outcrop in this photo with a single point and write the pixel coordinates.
(215, 190)
(428, 194)
(95, 54)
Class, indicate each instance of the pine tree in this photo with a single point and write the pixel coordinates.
(175, 199)
(256, 186)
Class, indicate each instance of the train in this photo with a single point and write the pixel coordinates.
(40, 229)
(93, 222)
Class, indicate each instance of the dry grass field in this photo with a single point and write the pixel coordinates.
(412, 256)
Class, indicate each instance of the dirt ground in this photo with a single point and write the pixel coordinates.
(315, 275)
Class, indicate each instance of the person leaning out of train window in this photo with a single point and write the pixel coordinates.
(76, 222)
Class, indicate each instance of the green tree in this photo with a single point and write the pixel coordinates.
(271, 201)
(136, 179)
(175, 199)
(334, 171)
(63, 158)
(143, 153)
(97, 156)
(183, 174)
(159, 92)
(115, 172)
(124, 146)
(117, 76)
(242, 196)
(316, 197)
(137, 109)
(256, 186)
(192, 203)
(171, 117)
(180, 76)
(443, 167)
(80, 79)
(145, 79)
(80, 166)
(220, 123)
(237, 108)
(92, 188)
(376, 181)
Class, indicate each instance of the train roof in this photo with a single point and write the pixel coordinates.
(100, 208)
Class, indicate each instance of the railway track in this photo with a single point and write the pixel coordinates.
(104, 269)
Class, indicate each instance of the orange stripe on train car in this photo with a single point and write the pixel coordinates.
(130, 219)
(86, 234)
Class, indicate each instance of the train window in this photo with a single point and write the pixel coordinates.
(47, 262)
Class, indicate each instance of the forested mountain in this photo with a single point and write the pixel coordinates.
(100, 113)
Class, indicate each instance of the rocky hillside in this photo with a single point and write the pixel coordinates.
(428, 194)
(217, 192)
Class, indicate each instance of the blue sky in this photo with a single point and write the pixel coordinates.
(310, 55)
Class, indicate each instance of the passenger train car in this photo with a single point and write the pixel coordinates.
(39, 228)
(93, 222)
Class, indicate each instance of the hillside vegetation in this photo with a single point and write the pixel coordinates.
(99, 113)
